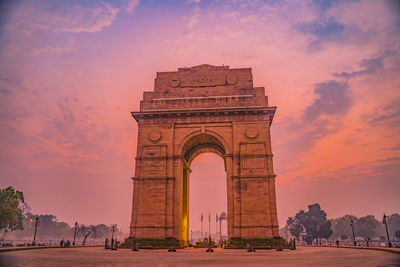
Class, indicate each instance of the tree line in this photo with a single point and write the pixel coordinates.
(313, 225)
(18, 223)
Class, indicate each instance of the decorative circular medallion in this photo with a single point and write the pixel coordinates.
(155, 135)
(231, 79)
(252, 132)
(175, 82)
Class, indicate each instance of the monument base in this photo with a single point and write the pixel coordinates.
(257, 243)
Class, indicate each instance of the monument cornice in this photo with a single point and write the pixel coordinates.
(204, 111)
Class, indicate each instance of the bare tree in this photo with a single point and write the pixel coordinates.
(85, 231)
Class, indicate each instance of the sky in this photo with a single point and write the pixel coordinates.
(72, 71)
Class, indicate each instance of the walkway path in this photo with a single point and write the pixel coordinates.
(303, 256)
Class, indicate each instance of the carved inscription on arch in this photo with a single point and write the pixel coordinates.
(202, 80)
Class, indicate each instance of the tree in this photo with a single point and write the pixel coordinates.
(393, 224)
(368, 226)
(313, 221)
(397, 234)
(295, 227)
(342, 226)
(102, 231)
(49, 228)
(11, 210)
(85, 231)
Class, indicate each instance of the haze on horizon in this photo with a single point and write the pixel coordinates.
(71, 72)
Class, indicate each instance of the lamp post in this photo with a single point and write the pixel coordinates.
(113, 230)
(76, 225)
(387, 232)
(216, 227)
(220, 238)
(34, 236)
(112, 237)
(354, 236)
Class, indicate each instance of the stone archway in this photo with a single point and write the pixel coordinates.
(196, 145)
(195, 110)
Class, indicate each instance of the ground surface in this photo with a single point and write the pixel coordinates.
(303, 256)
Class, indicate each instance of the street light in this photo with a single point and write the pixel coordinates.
(354, 236)
(112, 238)
(76, 225)
(34, 236)
(387, 232)
(113, 230)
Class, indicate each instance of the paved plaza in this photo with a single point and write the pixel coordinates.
(96, 256)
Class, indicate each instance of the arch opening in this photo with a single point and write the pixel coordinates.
(208, 195)
(202, 143)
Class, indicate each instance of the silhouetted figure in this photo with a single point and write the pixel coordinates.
(209, 249)
(250, 247)
(135, 246)
(115, 247)
(62, 243)
(337, 243)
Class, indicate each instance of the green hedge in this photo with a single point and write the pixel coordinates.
(258, 243)
(151, 243)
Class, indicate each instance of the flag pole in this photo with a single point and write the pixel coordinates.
(220, 231)
(216, 226)
(209, 225)
(201, 219)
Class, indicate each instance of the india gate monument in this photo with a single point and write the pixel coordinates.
(195, 110)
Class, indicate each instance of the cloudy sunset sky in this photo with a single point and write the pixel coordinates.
(72, 71)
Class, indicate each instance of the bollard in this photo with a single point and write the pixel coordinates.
(172, 249)
(209, 246)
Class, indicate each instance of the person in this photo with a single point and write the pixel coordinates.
(67, 244)
(62, 243)
(337, 243)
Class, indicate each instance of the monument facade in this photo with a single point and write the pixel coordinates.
(195, 110)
